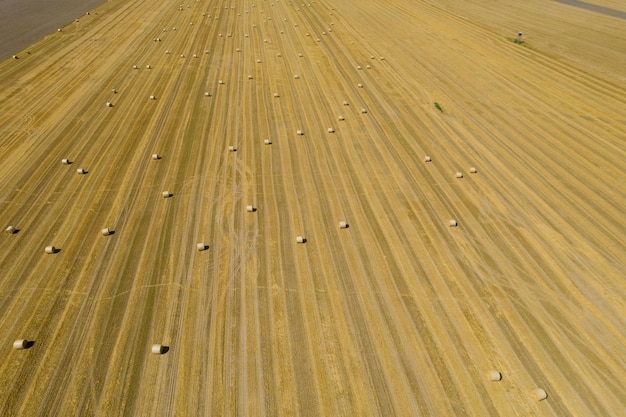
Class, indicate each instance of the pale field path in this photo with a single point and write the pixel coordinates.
(399, 314)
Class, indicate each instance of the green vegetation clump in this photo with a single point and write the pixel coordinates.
(438, 107)
(518, 41)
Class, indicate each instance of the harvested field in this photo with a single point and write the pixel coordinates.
(397, 314)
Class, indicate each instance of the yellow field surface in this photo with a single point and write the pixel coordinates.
(398, 314)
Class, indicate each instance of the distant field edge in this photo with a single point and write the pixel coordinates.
(26, 22)
(594, 8)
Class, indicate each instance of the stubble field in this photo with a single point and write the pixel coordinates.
(397, 314)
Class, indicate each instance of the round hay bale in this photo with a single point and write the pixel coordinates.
(182, 55)
(16, 57)
(300, 55)
(152, 98)
(166, 194)
(494, 376)
(51, 249)
(267, 142)
(238, 50)
(81, 171)
(299, 132)
(276, 95)
(206, 51)
(220, 35)
(59, 30)
(473, 170)
(453, 223)
(232, 149)
(148, 67)
(372, 57)
(382, 58)
(359, 85)
(158, 349)
(300, 239)
(359, 67)
(66, 161)
(258, 61)
(20, 344)
(114, 91)
(250, 77)
(109, 104)
(296, 76)
(250, 208)
(343, 225)
(195, 55)
(221, 82)
(167, 52)
(207, 94)
(427, 158)
(10, 230)
(331, 130)
(106, 231)
(156, 156)
(459, 175)
(341, 118)
(368, 66)
(541, 394)
(363, 110)
(201, 246)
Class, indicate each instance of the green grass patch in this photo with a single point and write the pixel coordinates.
(519, 42)
(438, 107)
